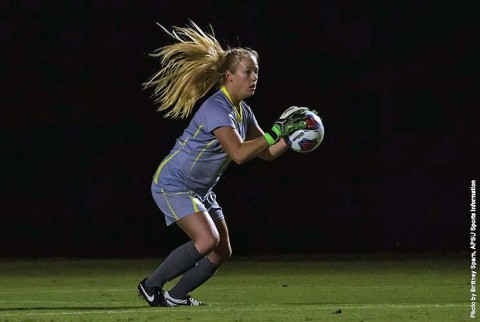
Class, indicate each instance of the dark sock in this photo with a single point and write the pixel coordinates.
(193, 278)
(178, 262)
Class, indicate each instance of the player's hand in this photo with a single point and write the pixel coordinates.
(294, 110)
(290, 121)
(285, 127)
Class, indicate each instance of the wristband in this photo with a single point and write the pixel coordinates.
(270, 139)
(273, 135)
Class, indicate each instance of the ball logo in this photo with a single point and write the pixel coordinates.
(299, 136)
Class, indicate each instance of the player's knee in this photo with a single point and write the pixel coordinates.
(207, 243)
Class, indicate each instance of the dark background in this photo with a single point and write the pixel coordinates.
(396, 84)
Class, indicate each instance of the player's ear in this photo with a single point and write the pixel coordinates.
(229, 76)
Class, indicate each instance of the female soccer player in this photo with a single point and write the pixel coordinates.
(224, 128)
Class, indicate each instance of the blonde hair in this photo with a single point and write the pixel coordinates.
(190, 68)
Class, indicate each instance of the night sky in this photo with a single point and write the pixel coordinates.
(396, 84)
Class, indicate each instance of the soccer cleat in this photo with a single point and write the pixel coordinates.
(153, 295)
(189, 301)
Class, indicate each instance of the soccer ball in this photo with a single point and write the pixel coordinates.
(308, 139)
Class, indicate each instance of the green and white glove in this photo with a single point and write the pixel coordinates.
(294, 110)
(290, 121)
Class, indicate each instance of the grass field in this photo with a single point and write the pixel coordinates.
(246, 289)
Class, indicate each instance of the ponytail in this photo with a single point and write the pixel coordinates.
(190, 68)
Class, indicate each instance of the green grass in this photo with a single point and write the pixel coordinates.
(425, 289)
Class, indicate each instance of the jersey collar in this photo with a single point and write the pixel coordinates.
(239, 110)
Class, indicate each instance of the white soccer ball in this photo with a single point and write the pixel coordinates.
(308, 139)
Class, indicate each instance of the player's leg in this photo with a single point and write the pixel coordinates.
(186, 209)
(205, 268)
(223, 251)
(204, 237)
(200, 228)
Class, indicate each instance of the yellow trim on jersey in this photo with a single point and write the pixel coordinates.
(239, 110)
(201, 152)
(223, 167)
(160, 167)
(197, 131)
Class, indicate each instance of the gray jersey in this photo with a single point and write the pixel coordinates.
(197, 160)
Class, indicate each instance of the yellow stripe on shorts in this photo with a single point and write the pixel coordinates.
(195, 207)
(169, 207)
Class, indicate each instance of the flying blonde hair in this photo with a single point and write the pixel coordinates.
(190, 67)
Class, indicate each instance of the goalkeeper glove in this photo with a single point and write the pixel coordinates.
(290, 121)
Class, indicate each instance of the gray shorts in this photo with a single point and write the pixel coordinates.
(178, 204)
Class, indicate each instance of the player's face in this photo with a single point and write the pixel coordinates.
(245, 77)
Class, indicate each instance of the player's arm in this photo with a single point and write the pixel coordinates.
(238, 150)
(242, 151)
(273, 151)
(290, 121)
